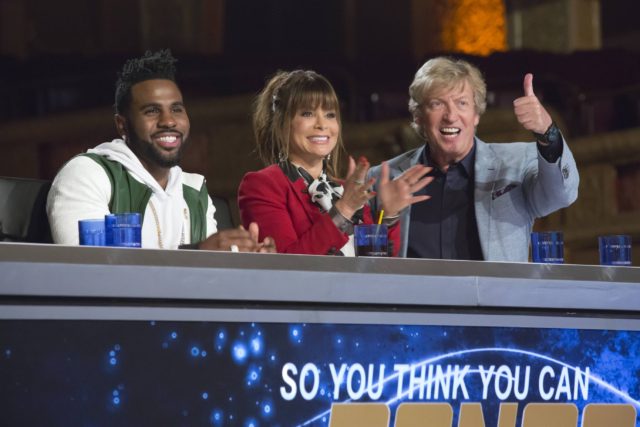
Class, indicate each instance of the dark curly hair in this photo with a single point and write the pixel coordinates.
(152, 65)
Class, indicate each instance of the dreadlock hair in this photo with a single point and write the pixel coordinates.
(152, 65)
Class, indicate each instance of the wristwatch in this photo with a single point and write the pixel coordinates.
(550, 136)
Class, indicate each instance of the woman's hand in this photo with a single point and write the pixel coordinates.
(357, 190)
(396, 195)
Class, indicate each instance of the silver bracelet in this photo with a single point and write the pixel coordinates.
(390, 220)
(345, 225)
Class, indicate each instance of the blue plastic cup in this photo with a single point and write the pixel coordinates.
(91, 232)
(547, 247)
(371, 240)
(615, 250)
(109, 221)
(123, 229)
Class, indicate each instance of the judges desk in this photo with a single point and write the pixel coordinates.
(106, 336)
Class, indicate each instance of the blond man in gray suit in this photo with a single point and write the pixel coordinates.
(484, 197)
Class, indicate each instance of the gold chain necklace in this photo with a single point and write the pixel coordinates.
(159, 231)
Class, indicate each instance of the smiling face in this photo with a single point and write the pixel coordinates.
(156, 124)
(314, 134)
(448, 118)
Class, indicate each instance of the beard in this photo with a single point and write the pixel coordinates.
(148, 152)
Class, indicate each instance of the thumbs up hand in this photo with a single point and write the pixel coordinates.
(529, 111)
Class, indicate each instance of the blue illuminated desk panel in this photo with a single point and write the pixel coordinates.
(108, 336)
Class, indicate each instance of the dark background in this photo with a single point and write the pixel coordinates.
(63, 56)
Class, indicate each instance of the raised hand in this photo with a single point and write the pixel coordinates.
(396, 195)
(357, 189)
(529, 111)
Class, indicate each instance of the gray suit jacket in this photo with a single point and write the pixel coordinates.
(514, 185)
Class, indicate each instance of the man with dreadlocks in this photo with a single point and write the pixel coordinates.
(140, 172)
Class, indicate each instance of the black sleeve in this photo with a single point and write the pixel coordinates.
(552, 151)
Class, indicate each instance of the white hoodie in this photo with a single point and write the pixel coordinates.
(82, 190)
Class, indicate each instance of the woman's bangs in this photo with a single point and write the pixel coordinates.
(316, 94)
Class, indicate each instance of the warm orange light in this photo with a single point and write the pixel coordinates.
(475, 26)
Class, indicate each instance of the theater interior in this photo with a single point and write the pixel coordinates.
(58, 64)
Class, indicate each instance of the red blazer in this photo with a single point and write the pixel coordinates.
(283, 210)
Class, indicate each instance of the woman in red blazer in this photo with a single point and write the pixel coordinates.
(297, 199)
